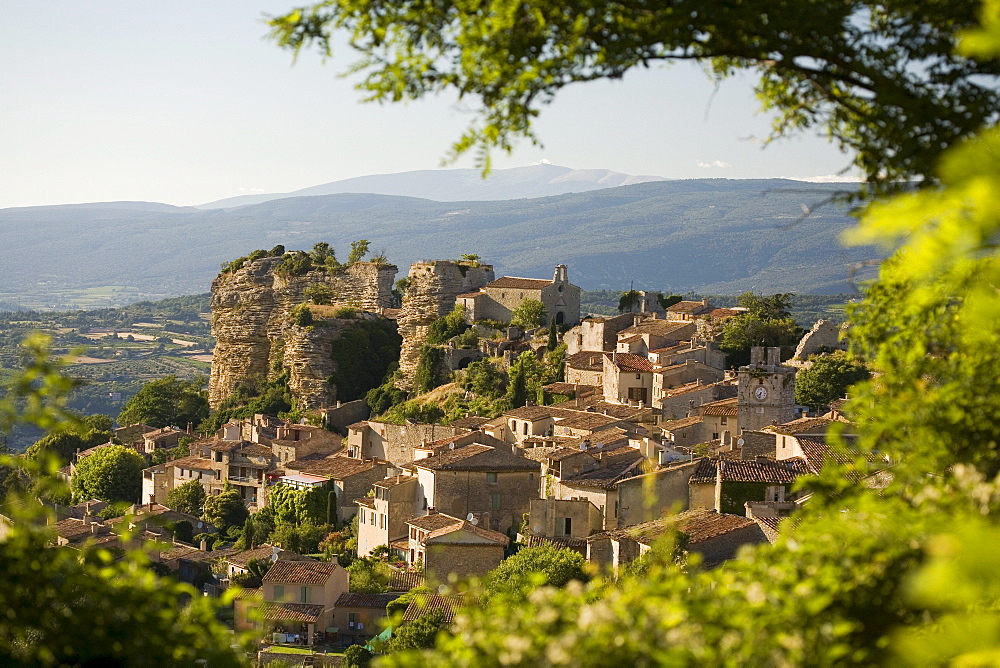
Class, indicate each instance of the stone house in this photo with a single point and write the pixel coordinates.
(598, 334)
(598, 485)
(727, 485)
(498, 299)
(359, 617)
(394, 443)
(682, 374)
(627, 379)
(237, 563)
(716, 537)
(296, 597)
(653, 334)
(584, 368)
(351, 478)
(713, 421)
(706, 352)
(477, 479)
(564, 518)
(678, 402)
(447, 545)
(159, 439)
(382, 517)
(687, 311)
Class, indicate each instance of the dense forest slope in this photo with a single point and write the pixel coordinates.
(709, 235)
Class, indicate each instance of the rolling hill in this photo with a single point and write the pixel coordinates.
(708, 235)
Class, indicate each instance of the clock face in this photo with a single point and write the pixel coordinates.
(760, 393)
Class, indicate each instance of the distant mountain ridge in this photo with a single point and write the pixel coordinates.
(714, 236)
(456, 185)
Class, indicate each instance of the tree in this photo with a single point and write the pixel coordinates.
(256, 570)
(553, 340)
(187, 498)
(666, 301)
(535, 566)
(369, 576)
(530, 313)
(430, 371)
(62, 444)
(225, 509)
(420, 633)
(359, 249)
(111, 473)
(166, 402)
(827, 379)
(447, 326)
(628, 301)
(766, 322)
(882, 81)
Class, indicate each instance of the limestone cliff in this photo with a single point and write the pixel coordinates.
(255, 336)
(433, 286)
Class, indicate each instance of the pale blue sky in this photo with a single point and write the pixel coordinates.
(185, 102)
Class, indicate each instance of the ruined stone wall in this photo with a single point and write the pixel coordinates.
(251, 322)
(431, 293)
(823, 337)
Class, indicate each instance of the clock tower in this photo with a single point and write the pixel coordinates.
(766, 391)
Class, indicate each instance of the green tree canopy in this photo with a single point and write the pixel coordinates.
(447, 326)
(535, 566)
(111, 473)
(766, 322)
(359, 249)
(166, 402)
(187, 498)
(225, 509)
(881, 80)
(628, 301)
(827, 379)
(530, 313)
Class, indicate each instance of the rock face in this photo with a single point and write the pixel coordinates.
(433, 287)
(255, 336)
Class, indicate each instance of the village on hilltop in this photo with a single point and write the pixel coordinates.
(640, 431)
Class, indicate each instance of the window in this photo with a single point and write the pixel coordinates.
(525, 430)
(304, 594)
(381, 521)
(495, 501)
(491, 477)
(564, 526)
(723, 420)
(715, 436)
(218, 456)
(638, 376)
(776, 494)
(352, 620)
(279, 592)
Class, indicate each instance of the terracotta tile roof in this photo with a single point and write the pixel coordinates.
(358, 425)
(470, 422)
(567, 388)
(680, 347)
(225, 446)
(517, 283)
(359, 600)
(488, 534)
(586, 361)
(254, 450)
(684, 389)
(75, 530)
(803, 425)
(782, 472)
(533, 413)
(475, 457)
(607, 476)
(264, 552)
(560, 541)
(769, 525)
(421, 605)
(698, 525)
(721, 313)
(290, 612)
(335, 466)
(692, 307)
(177, 551)
(629, 362)
(193, 463)
(300, 572)
(586, 421)
(469, 295)
(434, 521)
(683, 423)
(722, 407)
(405, 580)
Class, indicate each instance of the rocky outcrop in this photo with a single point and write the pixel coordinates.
(824, 337)
(255, 336)
(431, 293)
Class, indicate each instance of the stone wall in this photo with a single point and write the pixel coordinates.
(431, 293)
(458, 493)
(250, 316)
(823, 337)
(462, 560)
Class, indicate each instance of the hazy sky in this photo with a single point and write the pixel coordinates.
(185, 102)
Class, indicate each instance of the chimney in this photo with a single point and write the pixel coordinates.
(93, 528)
(204, 545)
(756, 356)
(432, 511)
(190, 429)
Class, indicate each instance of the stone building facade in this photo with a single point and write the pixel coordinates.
(766, 391)
(498, 299)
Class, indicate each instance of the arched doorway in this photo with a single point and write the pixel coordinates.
(560, 317)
